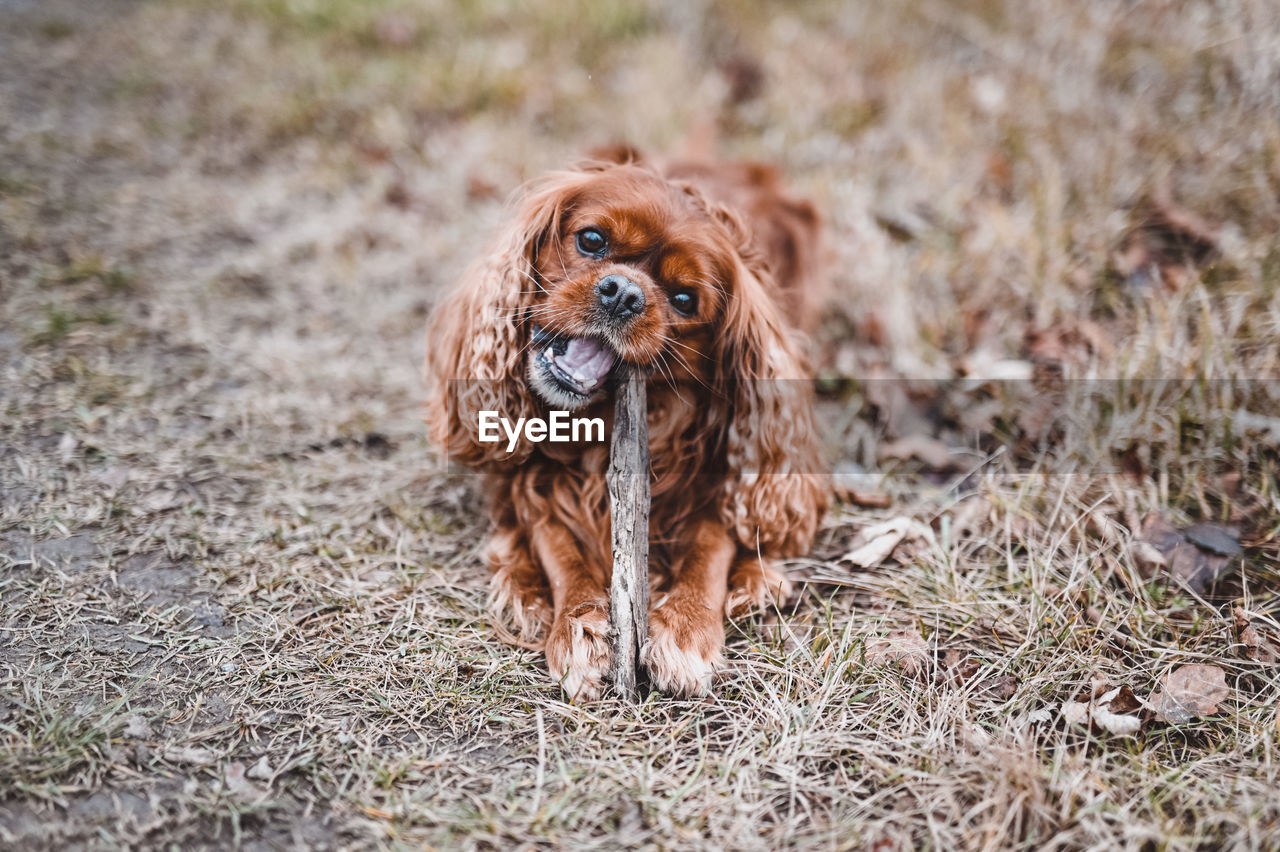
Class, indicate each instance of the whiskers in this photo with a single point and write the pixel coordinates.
(665, 367)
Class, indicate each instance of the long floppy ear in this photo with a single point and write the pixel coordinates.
(776, 491)
(476, 339)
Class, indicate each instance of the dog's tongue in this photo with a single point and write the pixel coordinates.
(587, 360)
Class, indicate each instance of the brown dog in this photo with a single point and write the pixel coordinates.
(697, 272)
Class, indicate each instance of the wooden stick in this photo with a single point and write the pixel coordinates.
(628, 481)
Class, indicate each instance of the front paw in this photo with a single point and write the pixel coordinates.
(755, 585)
(518, 608)
(578, 650)
(683, 655)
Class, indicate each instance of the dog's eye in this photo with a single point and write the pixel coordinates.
(685, 302)
(592, 242)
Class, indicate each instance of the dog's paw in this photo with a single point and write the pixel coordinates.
(755, 585)
(683, 653)
(578, 650)
(518, 610)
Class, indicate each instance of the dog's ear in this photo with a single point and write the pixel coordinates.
(776, 491)
(477, 336)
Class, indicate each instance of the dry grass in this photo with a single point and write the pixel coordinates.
(239, 605)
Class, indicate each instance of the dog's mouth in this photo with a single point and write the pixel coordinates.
(577, 365)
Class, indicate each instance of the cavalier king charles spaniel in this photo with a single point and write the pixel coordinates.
(701, 274)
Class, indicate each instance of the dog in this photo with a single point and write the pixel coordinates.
(704, 275)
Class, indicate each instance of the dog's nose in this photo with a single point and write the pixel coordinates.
(620, 297)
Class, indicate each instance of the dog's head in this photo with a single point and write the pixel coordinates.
(627, 267)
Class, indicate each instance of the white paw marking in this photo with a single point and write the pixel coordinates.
(677, 671)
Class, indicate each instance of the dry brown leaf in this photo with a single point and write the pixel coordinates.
(1071, 342)
(1196, 556)
(933, 453)
(1166, 244)
(907, 648)
(1254, 643)
(958, 667)
(858, 497)
(1112, 711)
(1006, 687)
(1192, 690)
(876, 543)
(1190, 227)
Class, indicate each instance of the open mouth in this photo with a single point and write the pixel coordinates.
(578, 365)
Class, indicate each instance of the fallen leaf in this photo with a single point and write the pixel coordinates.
(907, 648)
(1166, 243)
(932, 452)
(1071, 342)
(1112, 711)
(1192, 690)
(1256, 644)
(1115, 723)
(1006, 687)
(958, 667)
(857, 497)
(1193, 231)
(1196, 556)
(875, 543)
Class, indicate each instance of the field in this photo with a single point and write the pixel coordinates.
(242, 603)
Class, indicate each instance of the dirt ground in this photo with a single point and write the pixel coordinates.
(241, 602)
